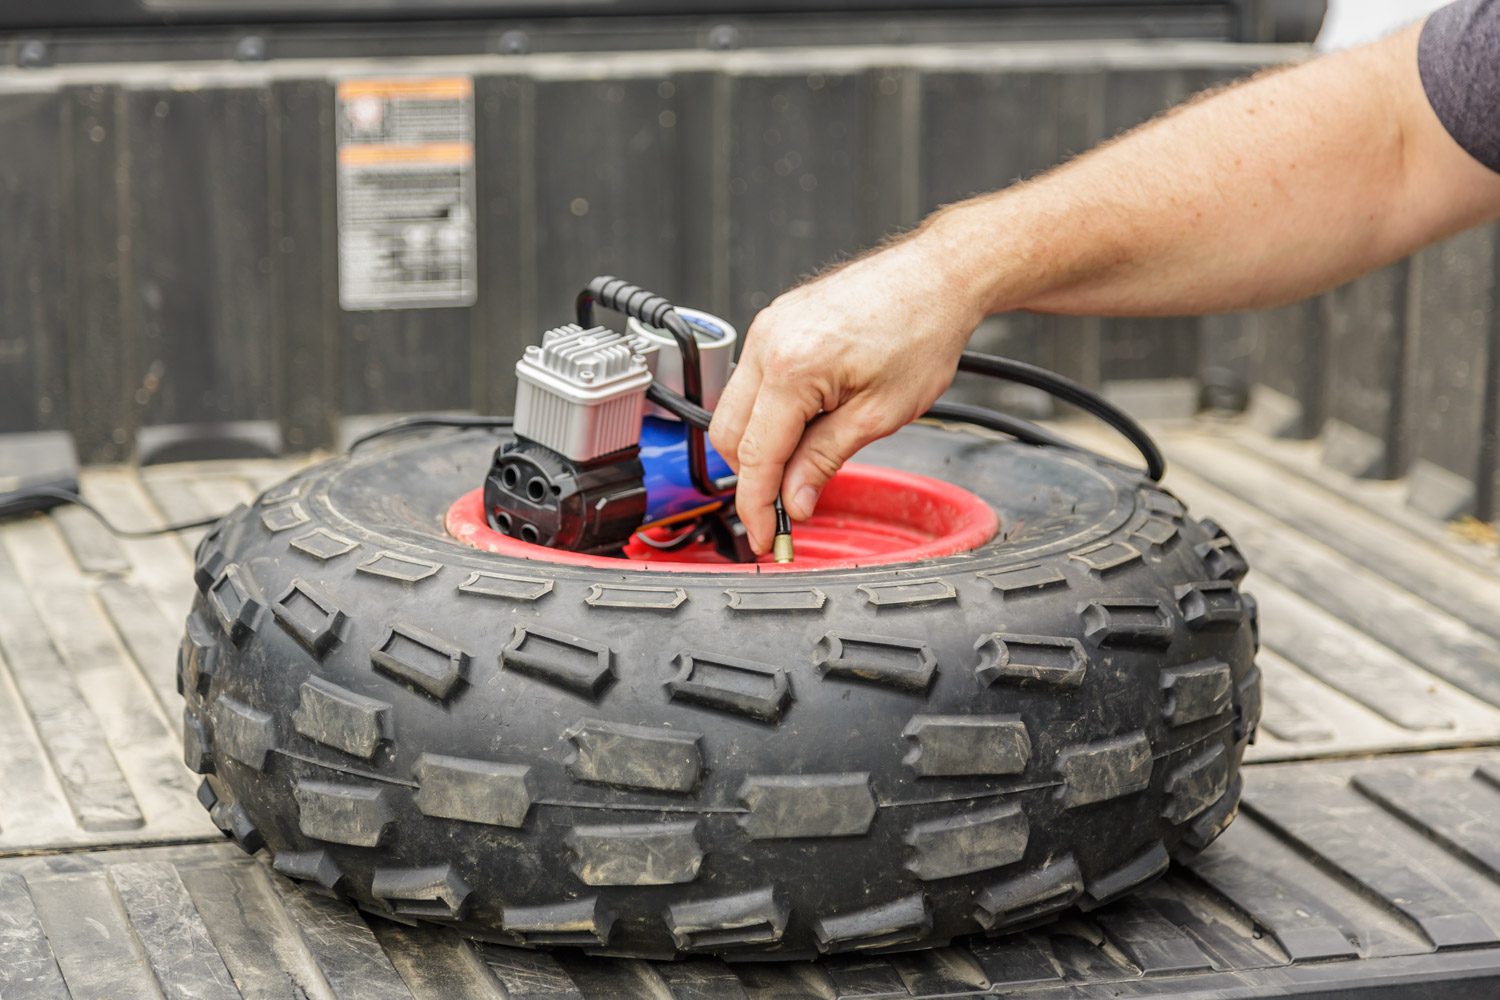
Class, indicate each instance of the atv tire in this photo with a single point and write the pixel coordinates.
(659, 764)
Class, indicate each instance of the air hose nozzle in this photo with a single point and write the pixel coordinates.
(781, 547)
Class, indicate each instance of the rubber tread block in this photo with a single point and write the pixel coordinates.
(317, 867)
(1136, 872)
(1211, 605)
(435, 892)
(881, 926)
(1197, 784)
(283, 517)
(1020, 581)
(505, 585)
(613, 753)
(955, 745)
(901, 663)
(476, 791)
(640, 598)
(323, 545)
(340, 718)
(358, 815)
(1128, 622)
(970, 842)
(244, 733)
(195, 657)
(1196, 691)
(636, 853)
(760, 691)
(1103, 558)
(1106, 769)
(236, 603)
(309, 616)
(424, 660)
(1031, 659)
(1025, 897)
(807, 805)
(394, 566)
(576, 922)
(777, 601)
(908, 593)
(567, 661)
(746, 918)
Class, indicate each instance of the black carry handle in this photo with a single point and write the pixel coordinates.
(622, 297)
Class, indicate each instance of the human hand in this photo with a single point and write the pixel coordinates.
(834, 364)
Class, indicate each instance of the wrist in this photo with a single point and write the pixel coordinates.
(1000, 252)
(950, 259)
(965, 246)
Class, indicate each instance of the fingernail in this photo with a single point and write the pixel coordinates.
(804, 503)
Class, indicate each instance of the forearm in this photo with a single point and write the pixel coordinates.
(1263, 193)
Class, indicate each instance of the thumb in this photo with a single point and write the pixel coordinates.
(827, 443)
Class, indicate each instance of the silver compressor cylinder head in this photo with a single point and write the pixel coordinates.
(582, 393)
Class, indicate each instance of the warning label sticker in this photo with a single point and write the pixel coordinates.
(406, 192)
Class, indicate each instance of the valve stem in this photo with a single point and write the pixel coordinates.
(781, 546)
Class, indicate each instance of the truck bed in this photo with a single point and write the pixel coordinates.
(1365, 860)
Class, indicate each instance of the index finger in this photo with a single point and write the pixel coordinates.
(732, 412)
(777, 420)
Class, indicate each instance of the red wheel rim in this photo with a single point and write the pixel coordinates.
(867, 516)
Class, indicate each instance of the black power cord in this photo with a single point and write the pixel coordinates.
(422, 420)
(1065, 389)
(1021, 429)
(30, 499)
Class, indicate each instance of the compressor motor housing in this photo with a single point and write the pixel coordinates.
(539, 496)
(572, 479)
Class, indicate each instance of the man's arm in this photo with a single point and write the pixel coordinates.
(1263, 193)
